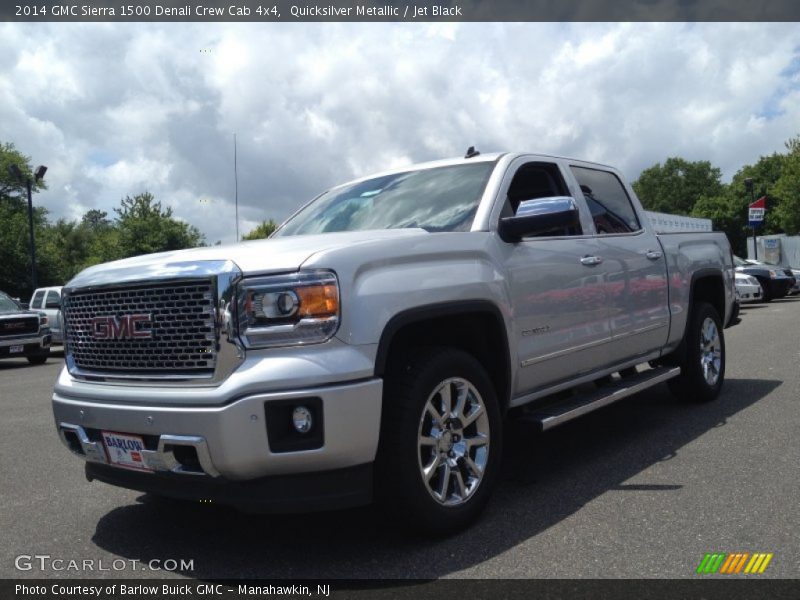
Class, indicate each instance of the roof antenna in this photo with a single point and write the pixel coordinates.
(471, 152)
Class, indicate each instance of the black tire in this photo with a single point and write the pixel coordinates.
(766, 293)
(401, 486)
(692, 383)
(39, 359)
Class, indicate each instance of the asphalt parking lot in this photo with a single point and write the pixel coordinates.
(643, 488)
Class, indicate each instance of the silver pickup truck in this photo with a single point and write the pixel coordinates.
(375, 344)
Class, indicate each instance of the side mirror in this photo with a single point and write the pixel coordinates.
(53, 304)
(540, 216)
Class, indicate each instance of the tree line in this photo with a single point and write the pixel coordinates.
(695, 188)
(141, 225)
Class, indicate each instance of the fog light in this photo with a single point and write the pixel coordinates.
(301, 419)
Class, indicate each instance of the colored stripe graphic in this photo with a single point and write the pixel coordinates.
(711, 562)
(742, 560)
(724, 563)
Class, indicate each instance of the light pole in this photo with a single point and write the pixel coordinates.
(38, 175)
(748, 185)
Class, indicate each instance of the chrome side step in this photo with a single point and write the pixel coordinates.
(557, 414)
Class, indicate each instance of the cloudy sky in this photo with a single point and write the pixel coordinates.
(114, 109)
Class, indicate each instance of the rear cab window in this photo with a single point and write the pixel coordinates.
(611, 207)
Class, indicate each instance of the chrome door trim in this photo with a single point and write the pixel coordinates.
(532, 361)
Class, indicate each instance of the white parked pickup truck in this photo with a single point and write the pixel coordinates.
(372, 347)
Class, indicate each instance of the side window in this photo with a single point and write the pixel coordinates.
(53, 299)
(611, 208)
(37, 299)
(533, 181)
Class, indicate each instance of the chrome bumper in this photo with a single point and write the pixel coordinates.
(231, 441)
(42, 339)
(162, 459)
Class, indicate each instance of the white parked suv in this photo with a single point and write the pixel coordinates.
(373, 345)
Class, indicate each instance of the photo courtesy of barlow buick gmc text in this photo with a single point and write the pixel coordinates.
(361, 300)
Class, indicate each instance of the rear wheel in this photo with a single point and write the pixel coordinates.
(703, 363)
(441, 440)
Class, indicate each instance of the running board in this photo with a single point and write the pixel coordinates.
(557, 414)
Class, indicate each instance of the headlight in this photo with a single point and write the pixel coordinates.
(42, 320)
(289, 310)
(773, 274)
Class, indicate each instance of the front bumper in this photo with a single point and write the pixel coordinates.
(749, 293)
(228, 442)
(34, 345)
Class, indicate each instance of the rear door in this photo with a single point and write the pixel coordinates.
(560, 310)
(636, 288)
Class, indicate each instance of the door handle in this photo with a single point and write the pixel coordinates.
(653, 254)
(591, 261)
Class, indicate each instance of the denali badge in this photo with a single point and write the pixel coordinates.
(122, 328)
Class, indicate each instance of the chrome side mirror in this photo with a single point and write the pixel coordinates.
(540, 216)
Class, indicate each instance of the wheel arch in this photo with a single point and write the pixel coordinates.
(440, 324)
(707, 285)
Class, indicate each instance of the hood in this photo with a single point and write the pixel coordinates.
(253, 258)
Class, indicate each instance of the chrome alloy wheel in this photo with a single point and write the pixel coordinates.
(710, 351)
(453, 441)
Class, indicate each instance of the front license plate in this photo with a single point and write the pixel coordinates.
(16, 349)
(125, 450)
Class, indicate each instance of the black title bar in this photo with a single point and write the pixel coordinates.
(254, 11)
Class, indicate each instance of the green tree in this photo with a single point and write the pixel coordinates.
(15, 274)
(10, 186)
(64, 248)
(262, 230)
(787, 187)
(728, 212)
(145, 227)
(677, 185)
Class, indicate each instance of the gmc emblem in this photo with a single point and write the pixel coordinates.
(121, 328)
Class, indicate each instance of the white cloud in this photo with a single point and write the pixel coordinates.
(114, 109)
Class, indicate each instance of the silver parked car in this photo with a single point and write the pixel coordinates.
(747, 288)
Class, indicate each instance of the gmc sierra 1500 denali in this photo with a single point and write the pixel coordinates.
(378, 340)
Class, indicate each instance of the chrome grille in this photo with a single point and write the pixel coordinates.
(181, 320)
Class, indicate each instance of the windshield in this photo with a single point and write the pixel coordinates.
(7, 304)
(739, 262)
(438, 199)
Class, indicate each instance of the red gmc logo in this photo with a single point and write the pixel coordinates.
(121, 328)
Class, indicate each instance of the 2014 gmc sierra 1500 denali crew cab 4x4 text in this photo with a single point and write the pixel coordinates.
(375, 343)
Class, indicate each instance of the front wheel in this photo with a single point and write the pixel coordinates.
(766, 291)
(38, 359)
(441, 440)
(703, 363)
